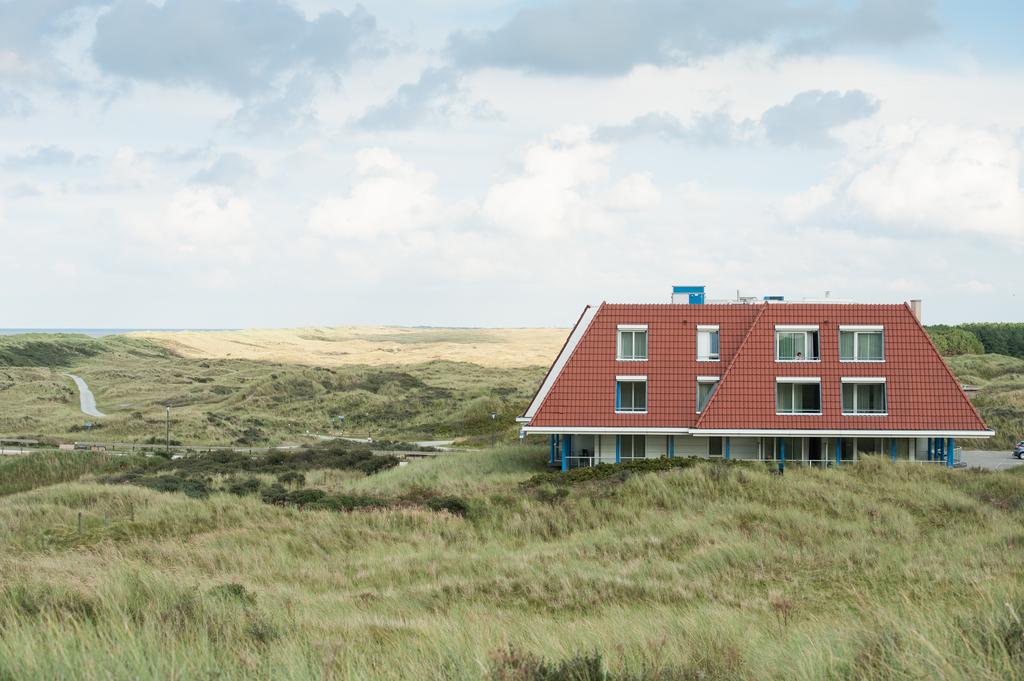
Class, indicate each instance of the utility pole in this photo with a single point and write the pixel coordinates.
(167, 433)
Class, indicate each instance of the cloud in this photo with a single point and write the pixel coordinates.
(28, 27)
(808, 118)
(610, 37)
(431, 93)
(716, 128)
(874, 23)
(564, 190)
(42, 157)
(923, 177)
(14, 104)
(229, 170)
(238, 48)
(200, 219)
(389, 197)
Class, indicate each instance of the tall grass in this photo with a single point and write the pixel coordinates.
(21, 473)
(874, 571)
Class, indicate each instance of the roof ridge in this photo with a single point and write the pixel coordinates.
(551, 368)
(732, 363)
(945, 366)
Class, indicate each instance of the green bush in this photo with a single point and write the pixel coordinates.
(245, 487)
(951, 341)
(452, 504)
(292, 478)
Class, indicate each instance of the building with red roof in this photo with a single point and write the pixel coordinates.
(812, 382)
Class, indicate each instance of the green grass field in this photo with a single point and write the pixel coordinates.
(712, 571)
(241, 401)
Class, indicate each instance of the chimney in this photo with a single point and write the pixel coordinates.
(915, 307)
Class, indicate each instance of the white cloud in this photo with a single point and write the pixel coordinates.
(636, 191)
(797, 207)
(389, 197)
(944, 177)
(932, 178)
(201, 220)
(975, 286)
(557, 193)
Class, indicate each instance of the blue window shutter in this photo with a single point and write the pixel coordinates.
(618, 396)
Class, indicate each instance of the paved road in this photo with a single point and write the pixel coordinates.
(86, 397)
(989, 460)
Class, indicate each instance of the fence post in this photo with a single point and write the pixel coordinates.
(79, 522)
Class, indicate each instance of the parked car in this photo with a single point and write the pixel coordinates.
(1018, 451)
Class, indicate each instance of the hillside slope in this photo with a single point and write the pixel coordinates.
(712, 571)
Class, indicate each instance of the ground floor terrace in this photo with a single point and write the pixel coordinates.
(589, 449)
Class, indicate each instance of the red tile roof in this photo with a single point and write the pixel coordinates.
(922, 394)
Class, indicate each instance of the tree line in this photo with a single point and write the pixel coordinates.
(978, 338)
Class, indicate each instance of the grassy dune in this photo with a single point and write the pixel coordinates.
(246, 401)
(370, 345)
(1001, 396)
(875, 571)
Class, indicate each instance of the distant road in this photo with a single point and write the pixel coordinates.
(86, 397)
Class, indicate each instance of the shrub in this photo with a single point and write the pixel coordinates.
(292, 478)
(275, 494)
(301, 497)
(245, 487)
(617, 472)
(452, 504)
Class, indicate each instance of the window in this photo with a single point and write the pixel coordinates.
(705, 389)
(714, 448)
(631, 394)
(707, 344)
(632, 447)
(798, 396)
(796, 343)
(632, 345)
(864, 396)
(861, 344)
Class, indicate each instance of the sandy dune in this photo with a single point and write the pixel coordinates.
(374, 345)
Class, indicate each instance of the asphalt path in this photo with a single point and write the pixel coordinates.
(989, 460)
(87, 399)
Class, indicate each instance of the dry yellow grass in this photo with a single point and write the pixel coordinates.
(370, 345)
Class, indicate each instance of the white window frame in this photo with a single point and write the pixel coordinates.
(631, 328)
(856, 330)
(868, 380)
(632, 379)
(706, 379)
(802, 380)
(796, 328)
(709, 328)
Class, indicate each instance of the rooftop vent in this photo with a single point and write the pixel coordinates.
(688, 295)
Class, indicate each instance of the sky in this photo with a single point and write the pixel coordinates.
(275, 163)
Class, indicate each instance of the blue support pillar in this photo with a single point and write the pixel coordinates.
(929, 449)
(951, 453)
(782, 454)
(939, 448)
(618, 449)
(551, 462)
(728, 445)
(839, 449)
(671, 446)
(566, 451)
(892, 449)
